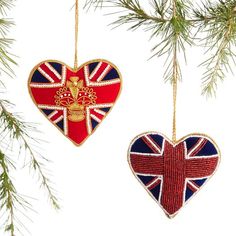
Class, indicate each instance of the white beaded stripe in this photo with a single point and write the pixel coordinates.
(95, 70)
(153, 182)
(196, 147)
(55, 112)
(51, 107)
(104, 83)
(32, 85)
(145, 154)
(100, 112)
(105, 105)
(88, 121)
(45, 74)
(194, 186)
(86, 75)
(141, 174)
(63, 75)
(65, 122)
(104, 73)
(187, 180)
(58, 119)
(52, 114)
(96, 118)
(153, 144)
(95, 84)
(53, 70)
(200, 157)
(197, 157)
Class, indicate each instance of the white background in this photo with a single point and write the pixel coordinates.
(98, 193)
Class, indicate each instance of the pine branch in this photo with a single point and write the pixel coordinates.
(9, 197)
(6, 58)
(7, 194)
(170, 29)
(21, 131)
(16, 135)
(5, 25)
(135, 15)
(215, 21)
(6, 5)
(216, 65)
(45, 181)
(219, 25)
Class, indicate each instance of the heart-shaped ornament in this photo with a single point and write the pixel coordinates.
(173, 173)
(75, 101)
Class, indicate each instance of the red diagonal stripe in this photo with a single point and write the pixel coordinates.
(99, 72)
(49, 72)
(198, 146)
(158, 147)
(151, 181)
(56, 116)
(99, 116)
(154, 184)
(150, 144)
(191, 187)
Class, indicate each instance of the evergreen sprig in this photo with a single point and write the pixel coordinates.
(16, 136)
(11, 200)
(218, 25)
(214, 22)
(15, 129)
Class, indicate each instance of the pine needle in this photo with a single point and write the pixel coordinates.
(16, 136)
(214, 22)
(96, 3)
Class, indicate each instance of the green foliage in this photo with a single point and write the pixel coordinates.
(218, 25)
(180, 23)
(96, 3)
(6, 59)
(16, 136)
(10, 199)
(6, 5)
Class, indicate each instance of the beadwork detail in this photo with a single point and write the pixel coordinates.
(172, 173)
(75, 101)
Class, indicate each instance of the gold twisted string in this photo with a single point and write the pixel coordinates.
(175, 85)
(76, 33)
(175, 82)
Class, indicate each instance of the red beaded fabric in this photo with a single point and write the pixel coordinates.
(173, 173)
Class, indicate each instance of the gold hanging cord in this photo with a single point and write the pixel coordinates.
(174, 82)
(175, 85)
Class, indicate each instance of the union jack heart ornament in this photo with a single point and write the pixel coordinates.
(172, 173)
(75, 101)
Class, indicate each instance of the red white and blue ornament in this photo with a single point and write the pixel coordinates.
(172, 173)
(75, 101)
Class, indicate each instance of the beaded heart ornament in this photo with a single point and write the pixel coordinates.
(173, 172)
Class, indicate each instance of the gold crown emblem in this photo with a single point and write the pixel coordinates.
(75, 97)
